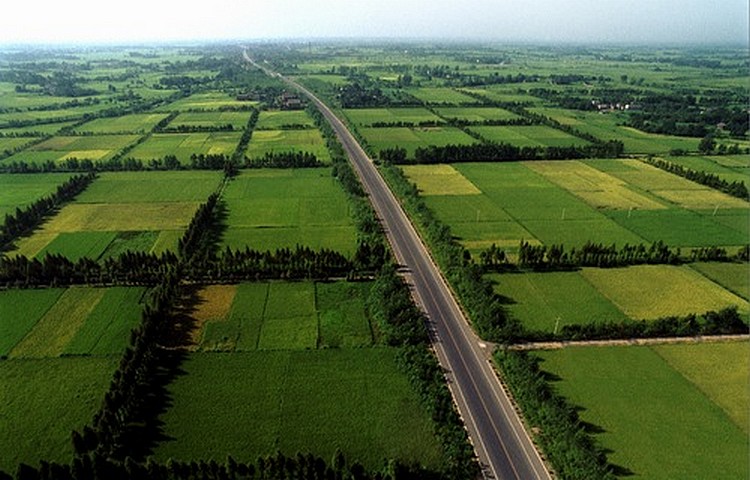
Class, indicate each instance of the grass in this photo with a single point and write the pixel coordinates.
(269, 209)
(365, 117)
(132, 241)
(113, 217)
(213, 303)
(283, 119)
(256, 403)
(149, 187)
(204, 101)
(19, 312)
(439, 180)
(412, 138)
(134, 123)
(528, 136)
(648, 412)
(106, 330)
(239, 329)
(77, 245)
(732, 276)
(290, 318)
(37, 420)
(729, 171)
(183, 145)
(551, 300)
(56, 328)
(281, 141)
(98, 147)
(653, 291)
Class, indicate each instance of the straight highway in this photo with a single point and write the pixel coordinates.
(503, 446)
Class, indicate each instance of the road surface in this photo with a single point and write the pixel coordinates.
(503, 446)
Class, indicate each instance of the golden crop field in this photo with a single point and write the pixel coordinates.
(440, 180)
(653, 291)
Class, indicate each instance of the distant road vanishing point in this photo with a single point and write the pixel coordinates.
(503, 446)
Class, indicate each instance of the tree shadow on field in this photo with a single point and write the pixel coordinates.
(215, 232)
(146, 431)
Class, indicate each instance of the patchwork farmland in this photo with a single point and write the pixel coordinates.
(193, 308)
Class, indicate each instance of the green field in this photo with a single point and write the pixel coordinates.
(412, 138)
(609, 126)
(60, 148)
(282, 141)
(183, 145)
(269, 209)
(549, 301)
(653, 291)
(273, 316)
(719, 166)
(238, 120)
(36, 419)
(120, 211)
(283, 120)
(649, 411)
(134, 123)
(528, 136)
(475, 114)
(732, 276)
(365, 117)
(318, 401)
(502, 93)
(20, 190)
(204, 101)
(19, 312)
(441, 95)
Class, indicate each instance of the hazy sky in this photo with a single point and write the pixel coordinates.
(628, 21)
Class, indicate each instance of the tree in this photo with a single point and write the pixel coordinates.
(707, 145)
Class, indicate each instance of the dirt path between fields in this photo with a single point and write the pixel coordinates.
(625, 342)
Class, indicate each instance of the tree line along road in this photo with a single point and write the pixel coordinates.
(503, 446)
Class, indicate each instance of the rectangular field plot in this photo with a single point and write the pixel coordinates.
(441, 95)
(475, 114)
(19, 312)
(61, 148)
(528, 136)
(36, 418)
(20, 190)
(497, 93)
(238, 120)
(134, 123)
(280, 316)
(183, 145)
(355, 400)
(653, 291)
(597, 188)
(10, 144)
(439, 180)
(148, 187)
(648, 411)
(284, 120)
(270, 209)
(283, 141)
(551, 300)
(726, 170)
(609, 126)
(365, 117)
(412, 138)
(204, 101)
(137, 211)
(732, 276)
(719, 370)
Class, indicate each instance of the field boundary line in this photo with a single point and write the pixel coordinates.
(556, 345)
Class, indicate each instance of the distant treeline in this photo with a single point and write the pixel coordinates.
(736, 189)
(25, 219)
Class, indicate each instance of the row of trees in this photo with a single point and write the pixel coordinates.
(271, 467)
(403, 325)
(27, 218)
(736, 188)
(541, 257)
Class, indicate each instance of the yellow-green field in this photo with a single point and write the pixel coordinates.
(597, 188)
(440, 180)
(653, 291)
(58, 326)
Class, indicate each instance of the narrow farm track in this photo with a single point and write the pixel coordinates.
(626, 342)
(503, 446)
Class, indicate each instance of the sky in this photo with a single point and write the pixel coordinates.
(569, 21)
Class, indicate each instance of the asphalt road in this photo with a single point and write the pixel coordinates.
(501, 442)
